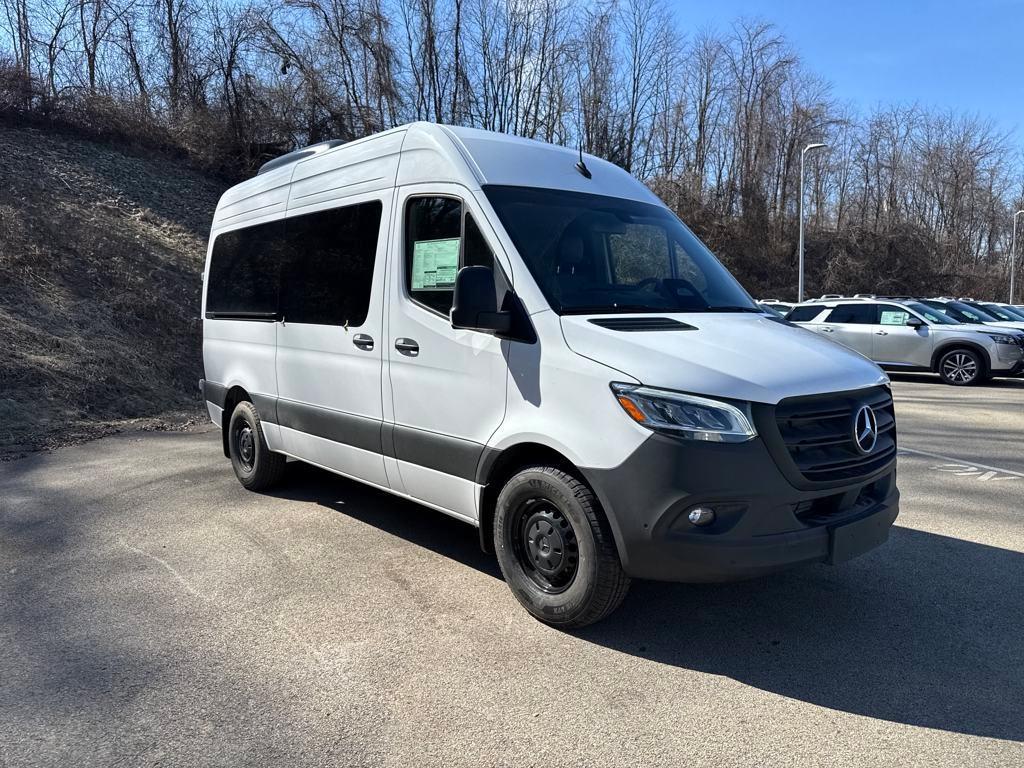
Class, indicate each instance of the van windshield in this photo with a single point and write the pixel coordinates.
(592, 254)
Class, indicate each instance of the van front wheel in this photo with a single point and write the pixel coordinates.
(555, 549)
(255, 465)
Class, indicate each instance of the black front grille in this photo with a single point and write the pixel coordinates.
(818, 434)
(829, 510)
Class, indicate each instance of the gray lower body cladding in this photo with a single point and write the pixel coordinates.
(762, 522)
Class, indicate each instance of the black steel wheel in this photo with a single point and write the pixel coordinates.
(555, 548)
(546, 545)
(256, 466)
(243, 444)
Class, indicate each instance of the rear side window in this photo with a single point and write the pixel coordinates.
(245, 271)
(863, 314)
(440, 239)
(803, 314)
(329, 272)
(316, 268)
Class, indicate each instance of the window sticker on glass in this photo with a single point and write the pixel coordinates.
(434, 264)
(894, 317)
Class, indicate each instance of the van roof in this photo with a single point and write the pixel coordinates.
(413, 154)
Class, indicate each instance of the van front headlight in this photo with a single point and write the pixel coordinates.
(685, 416)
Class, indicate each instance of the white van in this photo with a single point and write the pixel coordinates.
(526, 339)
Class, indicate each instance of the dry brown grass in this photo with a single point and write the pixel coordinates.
(101, 255)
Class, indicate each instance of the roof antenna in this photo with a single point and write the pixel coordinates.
(581, 166)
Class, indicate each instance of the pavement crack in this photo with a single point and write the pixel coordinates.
(167, 567)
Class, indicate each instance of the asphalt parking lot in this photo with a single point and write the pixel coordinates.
(152, 612)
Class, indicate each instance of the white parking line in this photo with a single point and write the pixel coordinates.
(960, 466)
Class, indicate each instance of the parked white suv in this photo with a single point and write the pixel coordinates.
(910, 336)
(528, 340)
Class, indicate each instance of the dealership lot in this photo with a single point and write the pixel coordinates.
(154, 612)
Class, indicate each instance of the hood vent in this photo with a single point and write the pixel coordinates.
(637, 324)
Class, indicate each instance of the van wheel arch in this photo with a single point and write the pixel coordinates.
(234, 396)
(499, 467)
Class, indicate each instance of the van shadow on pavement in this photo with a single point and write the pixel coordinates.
(925, 630)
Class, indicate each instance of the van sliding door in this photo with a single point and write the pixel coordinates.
(329, 340)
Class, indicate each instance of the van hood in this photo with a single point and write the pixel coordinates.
(737, 356)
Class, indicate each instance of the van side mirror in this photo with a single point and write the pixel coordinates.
(475, 305)
(915, 322)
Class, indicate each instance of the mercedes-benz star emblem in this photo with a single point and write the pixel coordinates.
(865, 429)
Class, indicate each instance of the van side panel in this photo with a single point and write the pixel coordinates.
(563, 400)
(353, 169)
(242, 353)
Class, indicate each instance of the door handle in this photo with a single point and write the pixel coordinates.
(881, 333)
(407, 347)
(363, 341)
(826, 330)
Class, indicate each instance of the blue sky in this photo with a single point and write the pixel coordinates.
(968, 56)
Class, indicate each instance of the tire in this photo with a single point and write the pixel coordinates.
(256, 466)
(961, 367)
(555, 549)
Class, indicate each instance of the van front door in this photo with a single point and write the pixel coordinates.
(447, 386)
(329, 340)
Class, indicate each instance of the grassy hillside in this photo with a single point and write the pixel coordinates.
(101, 254)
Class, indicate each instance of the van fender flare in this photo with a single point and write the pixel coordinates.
(498, 464)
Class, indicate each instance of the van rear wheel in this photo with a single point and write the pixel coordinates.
(256, 466)
(555, 548)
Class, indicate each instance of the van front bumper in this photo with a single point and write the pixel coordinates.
(763, 523)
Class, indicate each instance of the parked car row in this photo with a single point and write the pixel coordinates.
(963, 340)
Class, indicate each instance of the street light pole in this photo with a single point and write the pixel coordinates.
(800, 281)
(1013, 252)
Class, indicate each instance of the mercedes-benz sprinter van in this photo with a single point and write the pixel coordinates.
(528, 340)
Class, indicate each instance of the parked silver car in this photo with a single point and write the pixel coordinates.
(910, 336)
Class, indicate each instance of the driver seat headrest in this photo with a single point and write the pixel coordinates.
(570, 254)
